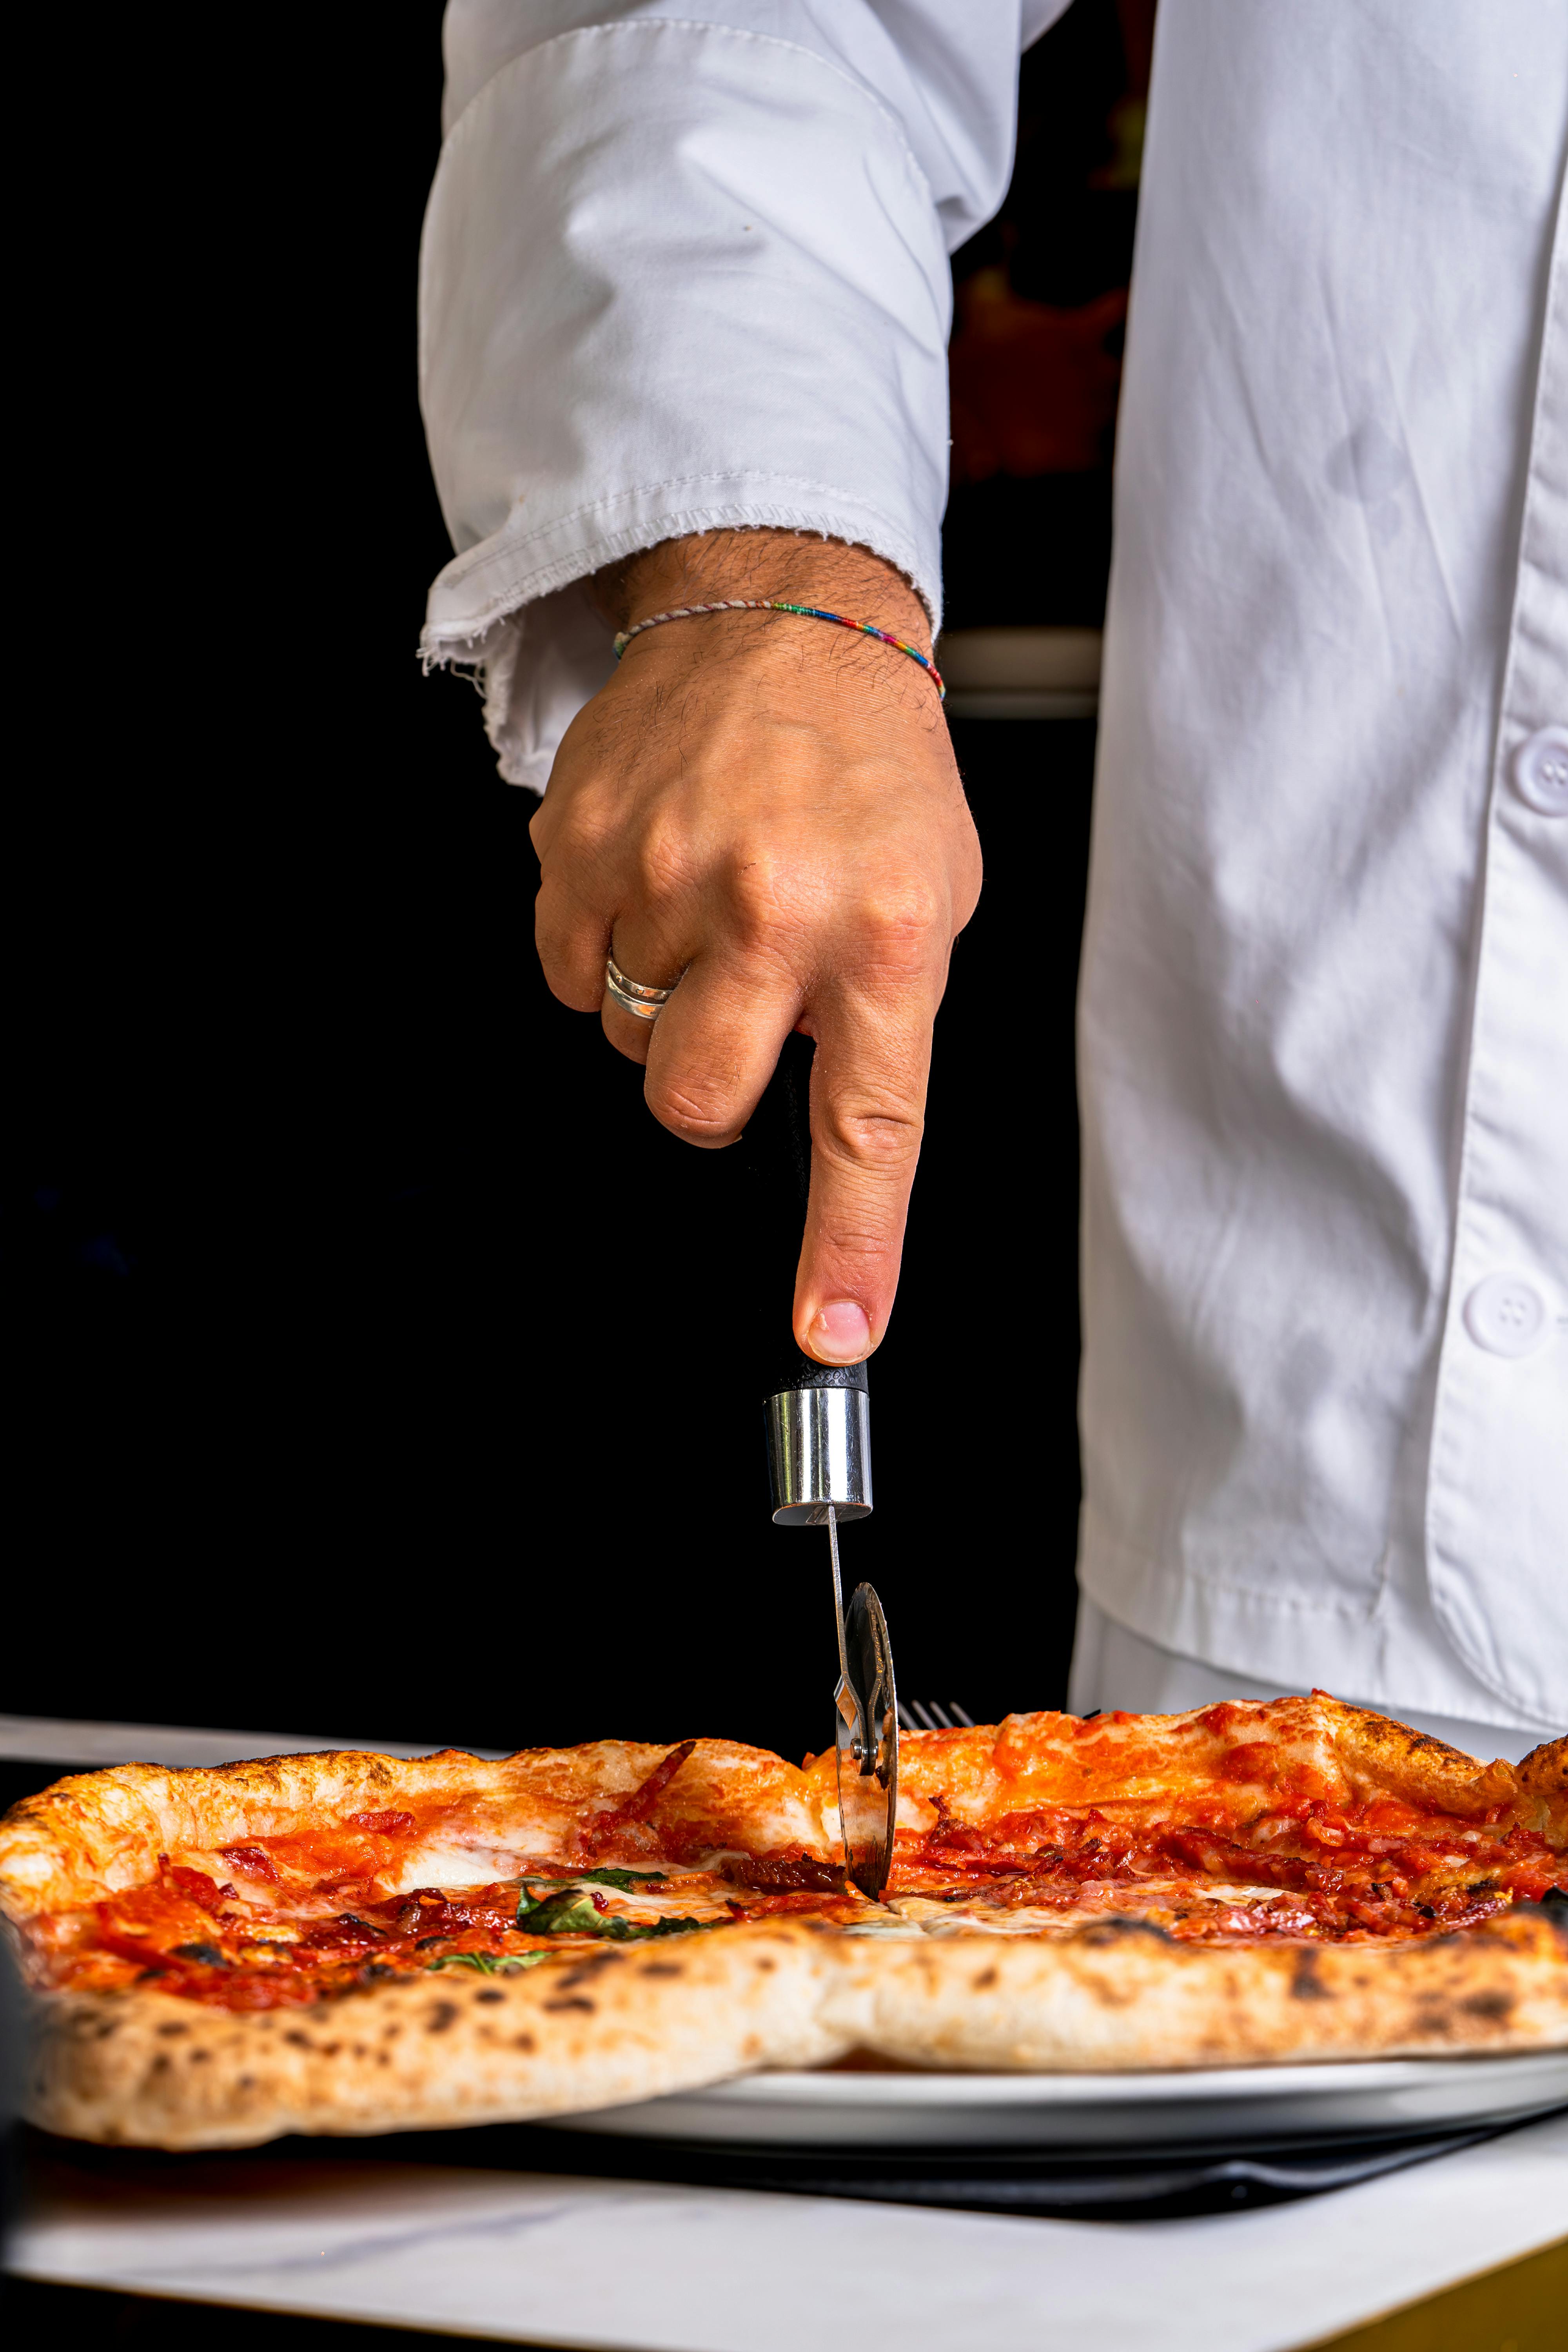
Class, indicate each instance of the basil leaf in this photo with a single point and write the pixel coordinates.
(566, 1914)
(572, 1914)
(487, 1964)
(622, 1880)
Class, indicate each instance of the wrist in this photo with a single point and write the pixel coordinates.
(791, 566)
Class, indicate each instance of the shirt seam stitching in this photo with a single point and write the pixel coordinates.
(659, 25)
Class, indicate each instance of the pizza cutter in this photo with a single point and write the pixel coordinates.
(866, 1719)
(818, 1420)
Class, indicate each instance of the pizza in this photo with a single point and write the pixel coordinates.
(350, 1943)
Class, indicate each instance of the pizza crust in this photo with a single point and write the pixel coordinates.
(143, 2069)
(1119, 1995)
(101, 1832)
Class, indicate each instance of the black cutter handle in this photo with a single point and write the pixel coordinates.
(779, 1139)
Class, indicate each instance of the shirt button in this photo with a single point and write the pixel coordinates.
(1505, 1315)
(1541, 770)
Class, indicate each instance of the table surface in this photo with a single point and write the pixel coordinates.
(629, 2266)
(633, 2266)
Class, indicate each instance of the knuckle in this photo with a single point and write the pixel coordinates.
(694, 1104)
(767, 910)
(880, 1140)
(662, 866)
(901, 917)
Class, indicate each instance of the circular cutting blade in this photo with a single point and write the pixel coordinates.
(868, 1747)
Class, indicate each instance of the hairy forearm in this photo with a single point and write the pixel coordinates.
(799, 567)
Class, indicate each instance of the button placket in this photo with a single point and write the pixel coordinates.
(1539, 770)
(1497, 1502)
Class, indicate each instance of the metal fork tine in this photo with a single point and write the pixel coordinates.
(930, 1715)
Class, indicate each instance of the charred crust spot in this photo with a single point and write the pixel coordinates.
(444, 2014)
(1112, 1930)
(198, 2057)
(522, 2042)
(171, 2032)
(984, 1980)
(766, 1965)
(1306, 1984)
(668, 1967)
(1495, 2005)
(586, 1970)
(105, 2030)
(488, 1997)
(246, 2083)
(161, 2063)
(574, 2000)
(300, 2040)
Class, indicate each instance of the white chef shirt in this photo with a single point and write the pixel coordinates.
(684, 272)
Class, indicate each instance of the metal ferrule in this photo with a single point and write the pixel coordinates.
(819, 1451)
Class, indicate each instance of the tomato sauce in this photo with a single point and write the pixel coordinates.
(300, 1920)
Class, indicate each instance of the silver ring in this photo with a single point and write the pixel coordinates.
(642, 1003)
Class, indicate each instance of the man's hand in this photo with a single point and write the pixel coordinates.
(767, 809)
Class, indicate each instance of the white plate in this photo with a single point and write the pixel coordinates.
(1126, 2111)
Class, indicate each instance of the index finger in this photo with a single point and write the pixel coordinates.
(869, 1086)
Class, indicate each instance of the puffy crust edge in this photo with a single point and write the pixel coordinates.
(1120, 1996)
(1543, 1779)
(141, 2068)
(103, 1831)
(1381, 1753)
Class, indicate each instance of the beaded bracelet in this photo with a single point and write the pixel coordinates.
(772, 604)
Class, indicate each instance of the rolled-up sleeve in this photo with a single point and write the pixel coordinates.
(682, 276)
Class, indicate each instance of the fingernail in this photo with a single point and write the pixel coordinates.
(841, 1331)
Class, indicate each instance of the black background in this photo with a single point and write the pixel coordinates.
(356, 1303)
